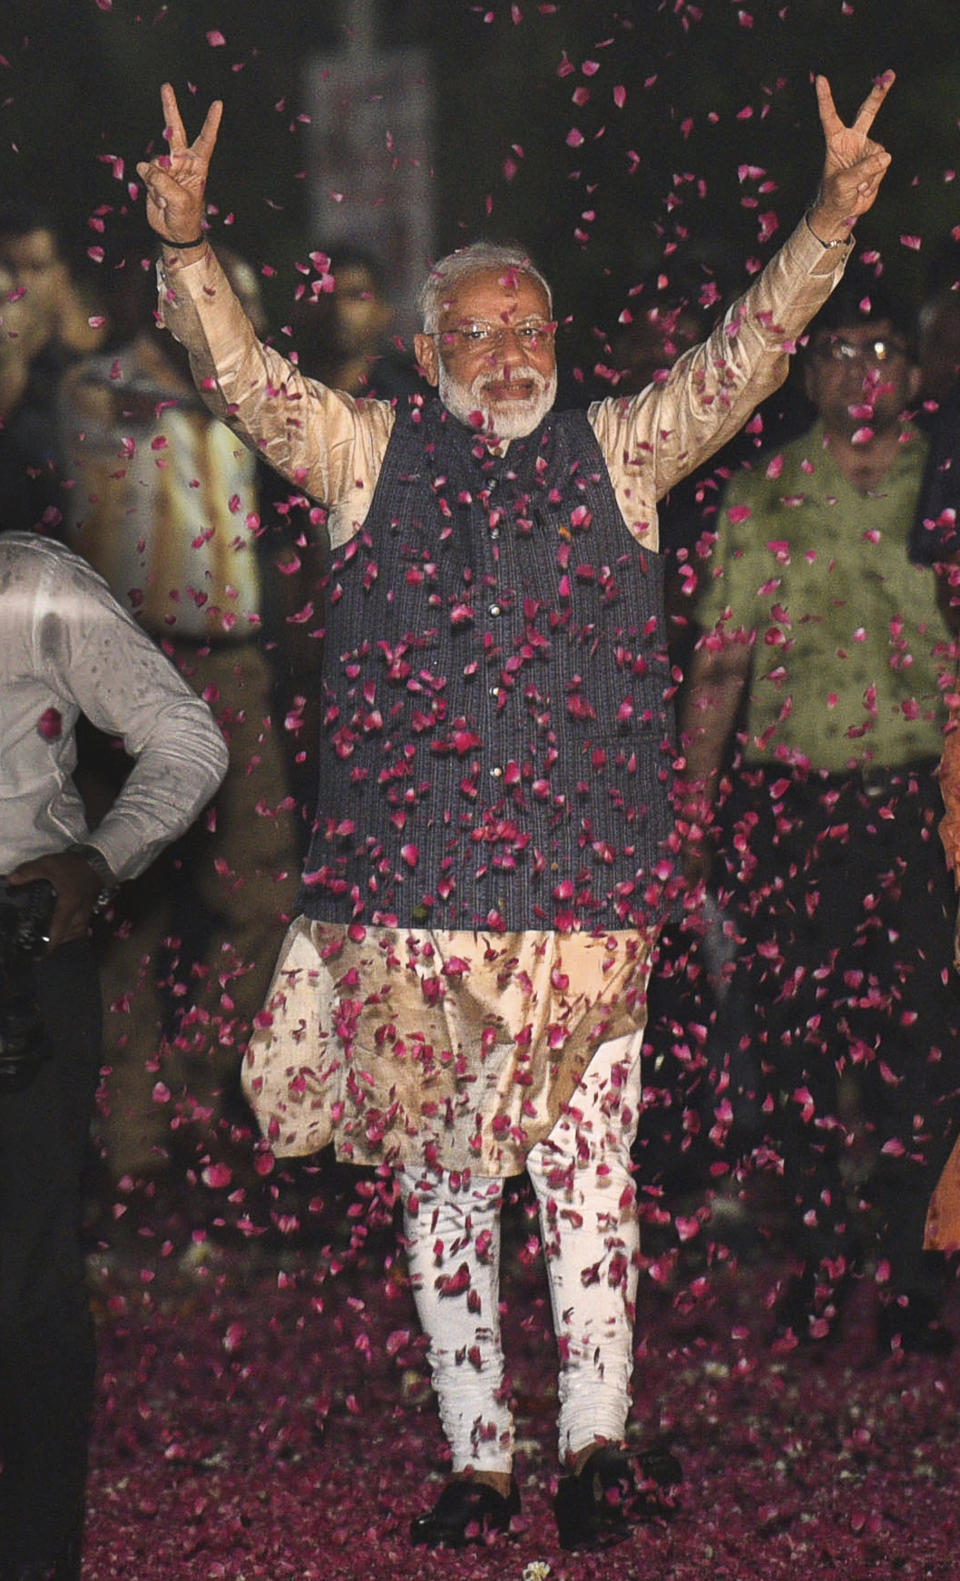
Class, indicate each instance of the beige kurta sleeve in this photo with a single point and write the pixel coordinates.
(325, 442)
(652, 440)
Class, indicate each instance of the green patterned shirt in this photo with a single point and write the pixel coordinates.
(851, 652)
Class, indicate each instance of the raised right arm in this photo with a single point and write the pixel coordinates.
(321, 440)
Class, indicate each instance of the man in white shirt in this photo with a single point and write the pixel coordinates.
(66, 648)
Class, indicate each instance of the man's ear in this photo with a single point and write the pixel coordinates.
(914, 380)
(427, 358)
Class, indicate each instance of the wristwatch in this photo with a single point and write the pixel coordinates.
(104, 872)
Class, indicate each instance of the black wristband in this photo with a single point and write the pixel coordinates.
(197, 242)
(839, 241)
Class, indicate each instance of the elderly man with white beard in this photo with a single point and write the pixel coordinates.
(462, 995)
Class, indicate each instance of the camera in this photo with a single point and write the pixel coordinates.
(26, 912)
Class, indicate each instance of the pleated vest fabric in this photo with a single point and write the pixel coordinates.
(497, 724)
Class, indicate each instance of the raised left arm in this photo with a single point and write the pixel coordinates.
(854, 164)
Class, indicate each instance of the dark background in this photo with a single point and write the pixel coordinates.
(710, 88)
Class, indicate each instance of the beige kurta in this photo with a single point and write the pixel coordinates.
(465, 1045)
(395, 1046)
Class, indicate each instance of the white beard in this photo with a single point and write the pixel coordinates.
(515, 420)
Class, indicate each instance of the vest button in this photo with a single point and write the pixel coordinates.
(494, 609)
(496, 773)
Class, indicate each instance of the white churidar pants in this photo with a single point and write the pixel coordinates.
(588, 1220)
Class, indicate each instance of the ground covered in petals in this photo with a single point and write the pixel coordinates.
(264, 1412)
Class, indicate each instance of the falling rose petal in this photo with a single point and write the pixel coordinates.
(619, 97)
(50, 724)
(574, 138)
(217, 1175)
(215, 38)
(913, 242)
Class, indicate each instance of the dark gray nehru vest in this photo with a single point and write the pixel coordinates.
(496, 747)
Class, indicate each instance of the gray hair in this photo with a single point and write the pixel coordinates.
(479, 256)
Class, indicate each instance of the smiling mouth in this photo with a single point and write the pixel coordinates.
(515, 390)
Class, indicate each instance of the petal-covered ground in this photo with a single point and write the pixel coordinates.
(264, 1412)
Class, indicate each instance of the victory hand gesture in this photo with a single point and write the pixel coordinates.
(854, 165)
(175, 182)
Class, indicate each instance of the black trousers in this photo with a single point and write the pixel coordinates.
(844, 908)
(47, 1352)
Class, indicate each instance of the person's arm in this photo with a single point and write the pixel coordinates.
(716, 681)
(669, 429)
(176, 183)
(91, 652)
(853, 165)
(321, 440)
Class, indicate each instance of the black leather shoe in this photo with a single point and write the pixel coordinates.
(466, 1512)
(597, 1506)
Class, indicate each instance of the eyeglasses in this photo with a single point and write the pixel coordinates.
(475, 335)
(874, 352)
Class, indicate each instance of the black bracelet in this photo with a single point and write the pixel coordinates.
(198, 242)
(840, 241)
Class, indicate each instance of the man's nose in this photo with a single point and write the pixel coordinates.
(507, 346)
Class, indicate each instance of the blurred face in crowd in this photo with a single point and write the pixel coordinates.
(21, 329)
(644, 352)
(37, 268)
(360, 315)
(492, 358)
(860, 376)
(940, 345)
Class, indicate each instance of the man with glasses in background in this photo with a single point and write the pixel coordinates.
(827, 647)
